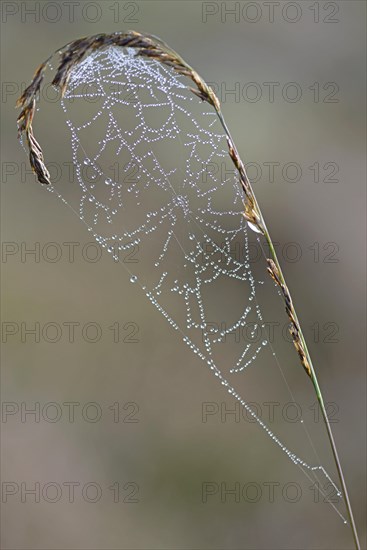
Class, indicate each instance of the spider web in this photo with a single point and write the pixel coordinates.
(191, 194)
(160, 184)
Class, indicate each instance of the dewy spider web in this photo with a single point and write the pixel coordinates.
(193, 196)
(172, 194)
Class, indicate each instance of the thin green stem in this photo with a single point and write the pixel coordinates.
(320, 400)
(312, 372)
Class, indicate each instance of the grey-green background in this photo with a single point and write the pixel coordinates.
(170, 452)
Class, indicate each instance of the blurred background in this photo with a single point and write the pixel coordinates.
(133, 444)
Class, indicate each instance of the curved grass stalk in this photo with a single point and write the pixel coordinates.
(152, 47)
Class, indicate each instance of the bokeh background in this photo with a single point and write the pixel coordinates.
(158, 451)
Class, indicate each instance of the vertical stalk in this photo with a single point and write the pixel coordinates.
(254, 215)
(320, 400)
